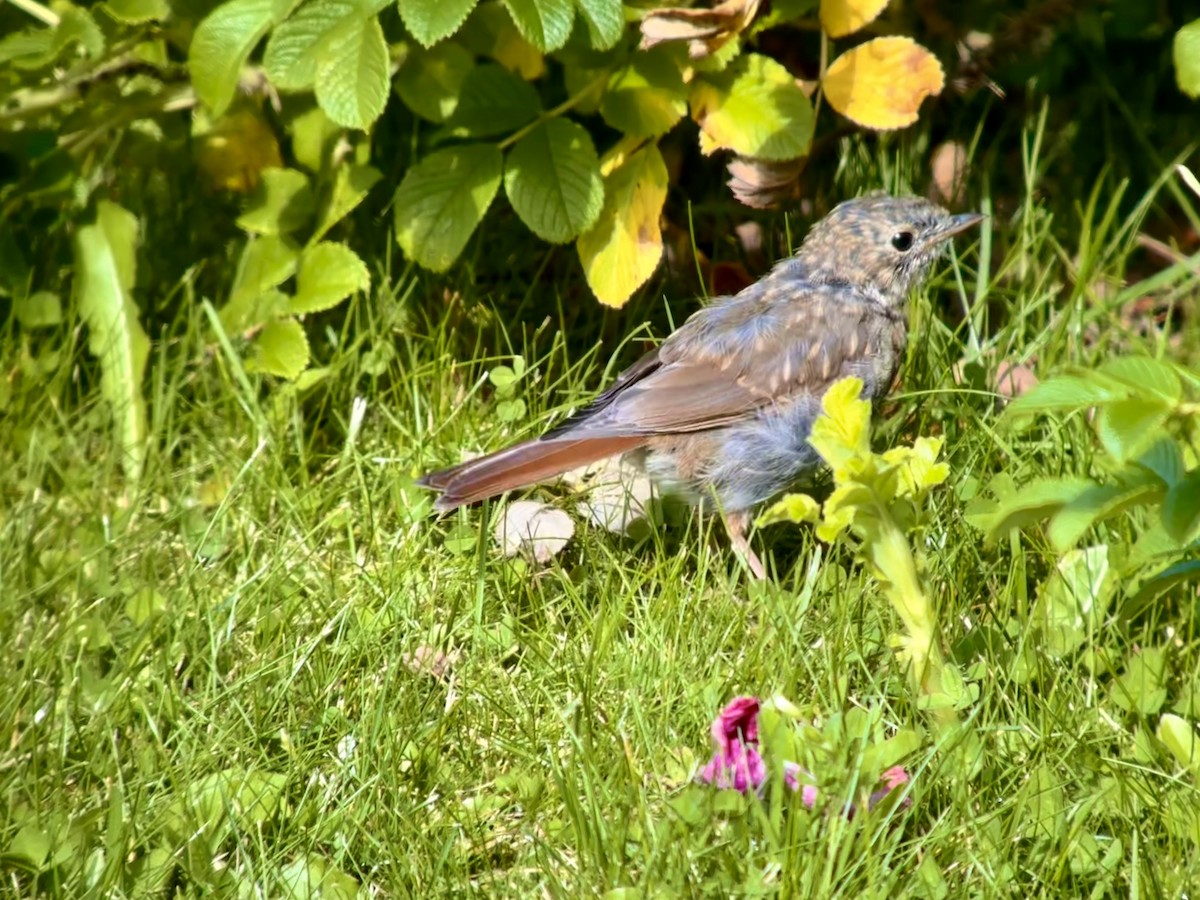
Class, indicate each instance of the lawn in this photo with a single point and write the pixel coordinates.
(268, 670)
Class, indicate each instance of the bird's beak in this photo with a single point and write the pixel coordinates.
(959, 223)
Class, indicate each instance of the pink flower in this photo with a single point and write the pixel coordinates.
(893, 778)
(736, 763)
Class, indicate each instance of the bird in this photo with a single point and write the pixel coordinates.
(721, 410)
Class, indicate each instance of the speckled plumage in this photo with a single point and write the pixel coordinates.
(721, 410)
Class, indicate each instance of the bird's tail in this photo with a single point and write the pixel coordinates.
(519, 466)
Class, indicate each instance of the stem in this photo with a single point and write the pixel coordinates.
(566, 106)
(39, 12)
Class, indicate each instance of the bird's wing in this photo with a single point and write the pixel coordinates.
(737, 356)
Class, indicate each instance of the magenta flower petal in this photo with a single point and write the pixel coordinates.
(892, 779)
(736, 763)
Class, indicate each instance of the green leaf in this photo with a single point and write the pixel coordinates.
(493, 101)
(41, 309)
(1126, 427)
(1072, 602)
(266, 263)
(313, 878)
(328, 274)
(282, 203)
(314, 137)
(552, 177)
(429, 21)
(755, 108)
(105, 270)
(443, 199)
(1181, 509)
(1065, 392)
(351, 184)
(137, 12)
(281, 349)
(30, 847)
(1035, 501)
(431, 81)
(1146, 376)
(1164, 460)
(544, 23)
(222, 43)
(352, 74)
(1179, 737)
(1186, 52)
(1098, 502)
(1043, 803)
(295, 46)
(647, 97)
(1141, 687)
(605, 20)
(35, 48)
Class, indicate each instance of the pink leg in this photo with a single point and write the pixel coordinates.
(736, 524)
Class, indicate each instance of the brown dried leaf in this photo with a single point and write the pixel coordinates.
(618, 496)
(534, 529)
(1014, 379)
(705, 30)
(764, 184)
(949, 170)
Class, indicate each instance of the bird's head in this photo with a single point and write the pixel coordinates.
(881, 243)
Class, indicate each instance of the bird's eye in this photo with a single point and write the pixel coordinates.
(902, 240)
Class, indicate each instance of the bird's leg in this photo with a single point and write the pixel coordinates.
(735, 524)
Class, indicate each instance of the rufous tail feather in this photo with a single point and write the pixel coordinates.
(519, 466)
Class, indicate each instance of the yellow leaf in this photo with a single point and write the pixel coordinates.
(842, 17)
(842, 434)
(880, 84)
(623, 248)
(791, 508)
(235, 150)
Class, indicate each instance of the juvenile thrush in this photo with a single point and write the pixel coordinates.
(721, 411)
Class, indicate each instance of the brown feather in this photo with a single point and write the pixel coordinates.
(519, 466)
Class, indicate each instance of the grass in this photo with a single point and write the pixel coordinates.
(266, 669)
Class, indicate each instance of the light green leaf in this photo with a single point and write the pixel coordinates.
(843, 432)
(1072, 602)
(1065, 392)
(552, 177)
(493, 101)
(281, 349)
(1179, 736)
(755, 108)
(1164, 460)
(1181, 509)
(266, 263)
(223, 41)
(313, 878)
(1141, 687)
(1147, 377)
(38, 47)
(329, 273)
(647, 97)
(351, 185)
(431, 81)
(441, 201)
(30, 847)
(105, 270)
(625, 245)
(1098, 502)
(294, 48)
(313, 138)
(1034, 501)
(136, 12)
(1127, 427)
(605, 20)
(352, 74)
(282, 203)
(1186, 51)
(41, 309)
(429, 21)
(544, 23)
